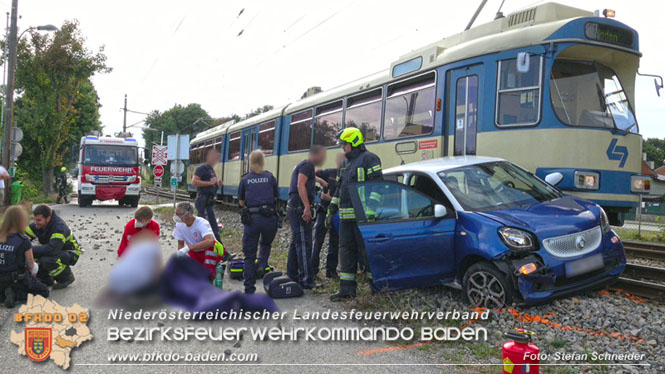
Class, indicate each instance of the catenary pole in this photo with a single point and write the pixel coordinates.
(9, 94)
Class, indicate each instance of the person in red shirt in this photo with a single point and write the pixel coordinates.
(142, 221)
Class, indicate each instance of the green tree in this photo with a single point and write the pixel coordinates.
(655, 150)
(179, 119)
(57, 102)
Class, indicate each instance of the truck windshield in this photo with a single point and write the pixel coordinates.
(589, 94)
(496, 185)
(110, 155)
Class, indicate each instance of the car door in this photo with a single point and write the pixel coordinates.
(407, 246)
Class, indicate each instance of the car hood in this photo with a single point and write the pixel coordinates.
(556, 217)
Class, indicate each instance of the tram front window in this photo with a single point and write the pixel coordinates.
(589, 94)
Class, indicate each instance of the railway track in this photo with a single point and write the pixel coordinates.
(650, 251)
(641, 280)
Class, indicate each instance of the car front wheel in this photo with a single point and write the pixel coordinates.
(485, 286)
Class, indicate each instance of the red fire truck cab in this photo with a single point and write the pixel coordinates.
(109, 170)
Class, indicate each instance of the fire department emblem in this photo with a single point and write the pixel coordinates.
(38, 343)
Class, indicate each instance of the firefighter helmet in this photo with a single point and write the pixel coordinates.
(351, 135)
(63, 169)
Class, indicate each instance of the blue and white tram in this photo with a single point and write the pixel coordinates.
(551, 88)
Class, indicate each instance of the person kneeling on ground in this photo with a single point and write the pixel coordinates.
(142, 221)
(196, 239)
(18, 268)
(59, 249)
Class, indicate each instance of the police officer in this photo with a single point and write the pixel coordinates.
(329, 178)
(360, 166)
(58, 251)
(18, 268)
(257, 194)
(61, 184)
(206, 183)
(300, 214)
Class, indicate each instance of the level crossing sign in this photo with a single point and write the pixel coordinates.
(159, 154)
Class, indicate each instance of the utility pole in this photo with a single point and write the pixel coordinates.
(124, 121)
(4, 71)
(9, 94)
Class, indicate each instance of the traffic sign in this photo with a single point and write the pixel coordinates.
(174, 181)
(159, 154)
(16, 151)
(12, 171)
(17, 134)
(158, 171)
(158, 182)
(177, 167)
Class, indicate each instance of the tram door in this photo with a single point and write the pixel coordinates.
(249, 143)
(464, 101)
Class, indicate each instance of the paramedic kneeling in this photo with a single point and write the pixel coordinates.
(257, 194)
(195, 238)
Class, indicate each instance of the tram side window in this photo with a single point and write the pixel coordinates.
(193, 156)
(518, 94)
(234, 146)
(364, 112)
(300, 131)
(410, 108)
(218, 145)
(267, 138)
(327, 125)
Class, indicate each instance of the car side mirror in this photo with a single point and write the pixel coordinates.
(440, 211)
(554, 178)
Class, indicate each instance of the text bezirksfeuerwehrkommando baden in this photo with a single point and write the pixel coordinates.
(353, 332)
(296, 315)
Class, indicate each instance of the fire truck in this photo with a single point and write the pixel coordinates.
(108, 169)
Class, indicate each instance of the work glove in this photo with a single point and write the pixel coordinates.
(183, 251)
(35, 269)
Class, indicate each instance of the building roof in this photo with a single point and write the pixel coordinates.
(660, 170)
(646, 170)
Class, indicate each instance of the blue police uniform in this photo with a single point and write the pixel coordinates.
(205, 198)
(259, 192)
(320, 230)
(13, 272)
(299, 265)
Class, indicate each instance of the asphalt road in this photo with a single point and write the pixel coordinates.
(98, 229)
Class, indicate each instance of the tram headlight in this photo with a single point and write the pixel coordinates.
(640, 184)
(587, 180)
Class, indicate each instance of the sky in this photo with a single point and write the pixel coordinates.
(166, 52)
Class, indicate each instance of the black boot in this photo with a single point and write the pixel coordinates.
(10, 297)
(65, 283)
(347, 290)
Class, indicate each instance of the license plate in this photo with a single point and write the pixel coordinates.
(584, 265)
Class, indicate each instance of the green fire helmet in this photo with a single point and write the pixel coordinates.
(63, 169)
(351, 135)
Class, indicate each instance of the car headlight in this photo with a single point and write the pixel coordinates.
(604, 222)
(89, 178)
(516, 239)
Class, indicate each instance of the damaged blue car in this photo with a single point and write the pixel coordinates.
(487, 227)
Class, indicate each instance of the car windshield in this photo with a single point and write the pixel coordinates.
(589, 94)
(110, 155)
(496, 185)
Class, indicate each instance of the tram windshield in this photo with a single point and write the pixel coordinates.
(589, 94)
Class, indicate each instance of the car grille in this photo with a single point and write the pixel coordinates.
(575, 244)
(110, 178)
